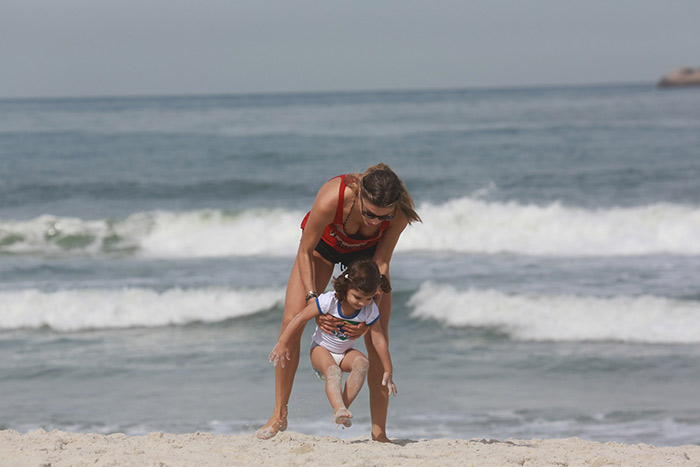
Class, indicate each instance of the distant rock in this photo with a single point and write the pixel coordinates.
(685, 76)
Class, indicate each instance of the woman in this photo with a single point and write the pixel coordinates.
(353, 216)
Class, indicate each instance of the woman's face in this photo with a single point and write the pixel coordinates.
(373, 215)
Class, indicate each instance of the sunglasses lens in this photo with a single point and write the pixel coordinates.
(371, 215)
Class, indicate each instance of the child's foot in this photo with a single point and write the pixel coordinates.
(342, 417)
(273, 426)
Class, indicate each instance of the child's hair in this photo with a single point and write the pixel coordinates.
(362, 275)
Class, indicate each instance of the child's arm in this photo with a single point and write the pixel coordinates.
(280, 352)
(382, 348)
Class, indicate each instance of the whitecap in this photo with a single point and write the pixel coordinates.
(563, 318)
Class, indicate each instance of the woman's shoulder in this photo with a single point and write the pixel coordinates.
(327, 197)
(332, 184)
(329, 194)
(349, 180)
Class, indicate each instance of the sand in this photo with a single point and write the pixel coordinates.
(59, 448)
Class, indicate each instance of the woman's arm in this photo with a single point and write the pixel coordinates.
(280, 352)
(381, 346)
(387, 244)
(322, 213)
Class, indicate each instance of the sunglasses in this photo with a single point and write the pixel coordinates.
(370, 215)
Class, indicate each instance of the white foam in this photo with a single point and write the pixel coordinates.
(50, 235)
(537, 317)
(213, 233)
(159, 234)
(74, 310)
(474, 225)
(465, 225)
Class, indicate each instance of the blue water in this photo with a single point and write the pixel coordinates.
(551, 290)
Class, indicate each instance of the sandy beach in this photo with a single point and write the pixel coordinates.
(59, 448)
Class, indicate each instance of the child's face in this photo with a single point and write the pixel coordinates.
(357, 298)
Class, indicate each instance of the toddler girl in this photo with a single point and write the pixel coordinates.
(333, 353)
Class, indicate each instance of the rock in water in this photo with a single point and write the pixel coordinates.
(685, 76)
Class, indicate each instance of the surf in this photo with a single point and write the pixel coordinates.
(560, 318)
(129, 307)
(462, 225)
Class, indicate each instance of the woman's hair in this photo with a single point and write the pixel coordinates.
(362, 275)
(383, 188)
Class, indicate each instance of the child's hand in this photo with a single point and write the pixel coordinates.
(279, 354)
(389, 383)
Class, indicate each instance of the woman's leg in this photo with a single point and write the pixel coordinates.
(378, 394)
(357, 365)
(284, 377)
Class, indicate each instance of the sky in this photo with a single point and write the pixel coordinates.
(65, 48)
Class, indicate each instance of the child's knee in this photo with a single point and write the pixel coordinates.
(334, 378)
(361, 365)
(334, 372)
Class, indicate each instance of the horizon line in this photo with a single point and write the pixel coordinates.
(321, 92)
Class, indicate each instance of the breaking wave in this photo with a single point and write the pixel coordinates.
(76, 310)
(537, 317)
(464, 225)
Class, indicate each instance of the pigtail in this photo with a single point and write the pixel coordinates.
(341, 284)
(384, 284)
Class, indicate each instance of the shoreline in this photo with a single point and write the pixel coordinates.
(60, 448)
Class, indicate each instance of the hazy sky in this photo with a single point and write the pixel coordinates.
(145, 47)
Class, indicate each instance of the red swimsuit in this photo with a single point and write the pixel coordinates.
(333, 234)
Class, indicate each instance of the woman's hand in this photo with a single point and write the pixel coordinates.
(279, 354)
(331, 324)
(353, 331)
(389, 383)
(328, 323)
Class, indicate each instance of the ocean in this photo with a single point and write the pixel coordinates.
(551, 291)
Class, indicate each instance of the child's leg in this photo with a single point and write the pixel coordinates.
(323, 361)
(357, 365)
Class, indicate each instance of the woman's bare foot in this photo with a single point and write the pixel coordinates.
(342, 417)
(382, 438)
(273, 426)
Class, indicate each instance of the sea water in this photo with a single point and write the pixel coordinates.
(551, 291)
